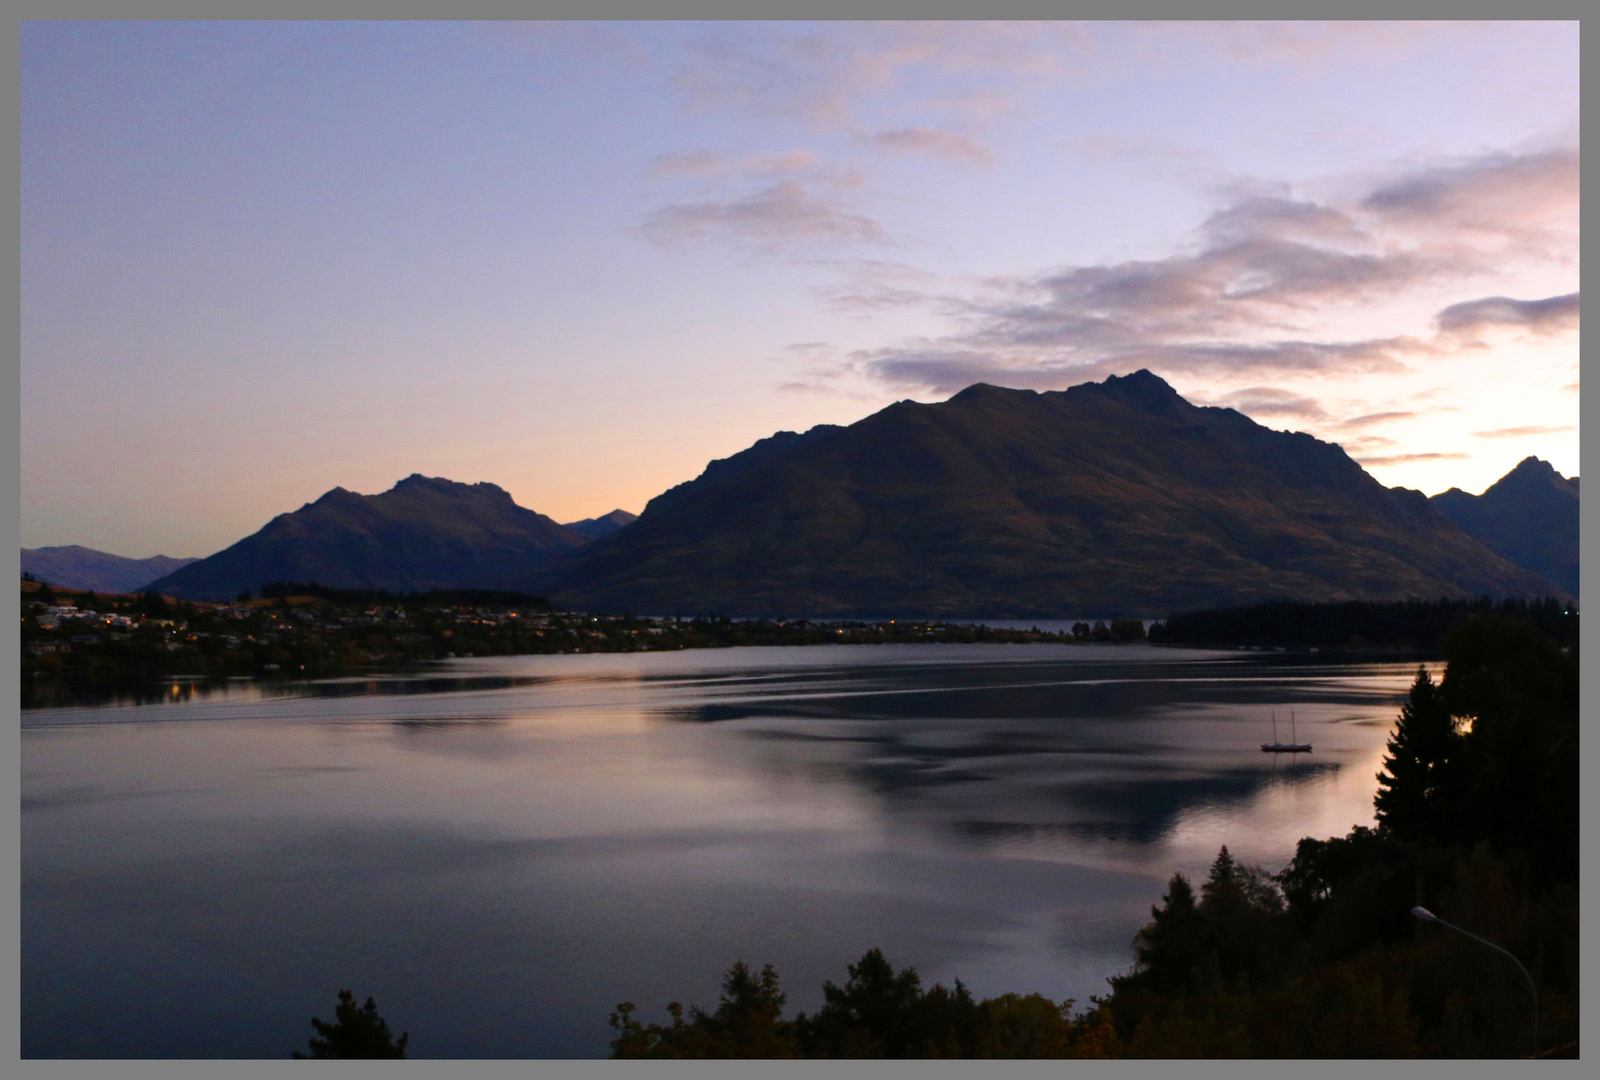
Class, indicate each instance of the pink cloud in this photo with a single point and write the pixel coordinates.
(1270, 43)
(1519, 432)
(1516, 205)
(782, 214)
(931, 142)
(1258, 270)
(1271, 401)
(1375, 418)
(709, 163)
(691, 163)
(1404, 459)
(825, 73)
(1542, 318)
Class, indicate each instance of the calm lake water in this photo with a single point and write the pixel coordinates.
(503, 849)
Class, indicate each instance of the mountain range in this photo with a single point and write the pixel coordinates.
(85, 568)
(1107, 498)
(1529, 516)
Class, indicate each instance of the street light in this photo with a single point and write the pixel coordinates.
(1427, 916)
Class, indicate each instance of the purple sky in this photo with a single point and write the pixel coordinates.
(579, 261)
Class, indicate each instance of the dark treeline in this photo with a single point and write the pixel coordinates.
(1410, 625)
(1477, 813)
(877, 1013)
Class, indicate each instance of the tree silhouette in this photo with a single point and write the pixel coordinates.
(357, 1032)
(1521, 779)
(1414, 787)
(1168, 951)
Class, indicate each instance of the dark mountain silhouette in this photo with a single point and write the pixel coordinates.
(595, 528)
(85, 568)
(1529, 516)
(1111, 498)
(420, 534)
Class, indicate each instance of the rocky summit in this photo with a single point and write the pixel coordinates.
(1111, 498)
(1529, 516)
(421, 534)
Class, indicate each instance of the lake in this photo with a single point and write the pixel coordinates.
(501, 849)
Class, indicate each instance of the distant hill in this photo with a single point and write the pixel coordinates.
(595, 528)
(1107, 498)
(85, 568)
(1529, 516)
(421, 534)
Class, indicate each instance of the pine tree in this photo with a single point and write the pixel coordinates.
(871, 1016)
(1414, 789)
(357, 1032)
(1168, 951)
(748, 1022)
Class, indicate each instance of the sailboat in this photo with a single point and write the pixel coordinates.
(1293, 746)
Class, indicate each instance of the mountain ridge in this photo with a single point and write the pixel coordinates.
(1112, 497)
(74, 566)
(423, 533)
(1529, 516)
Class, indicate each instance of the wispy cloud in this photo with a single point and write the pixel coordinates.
(690, 163)
(940, 90)
(869, 286)
(1402, 459)
(1271, 43)
(829, 74)
(1518, 432)
(1256, 286)
(1497, 204)
(943, 367)
(934, 143)
(1542, 318)
(1375, 418)
(783, 214)
(1257, 401)
(709, 163)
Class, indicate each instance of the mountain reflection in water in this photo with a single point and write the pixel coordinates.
(501, 849)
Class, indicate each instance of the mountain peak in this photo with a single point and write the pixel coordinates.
(604, 525)
(439, 484)
(982, 391)
(1533, 466)
(1143, 390)
(423, 533)
(1532, 474)
(1529, 516)
(1107, 497)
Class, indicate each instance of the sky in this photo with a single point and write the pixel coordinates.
(262, 260)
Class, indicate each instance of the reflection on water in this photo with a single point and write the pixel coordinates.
(188, 689)
(499, 850)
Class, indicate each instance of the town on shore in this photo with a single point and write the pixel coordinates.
(79, 646)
